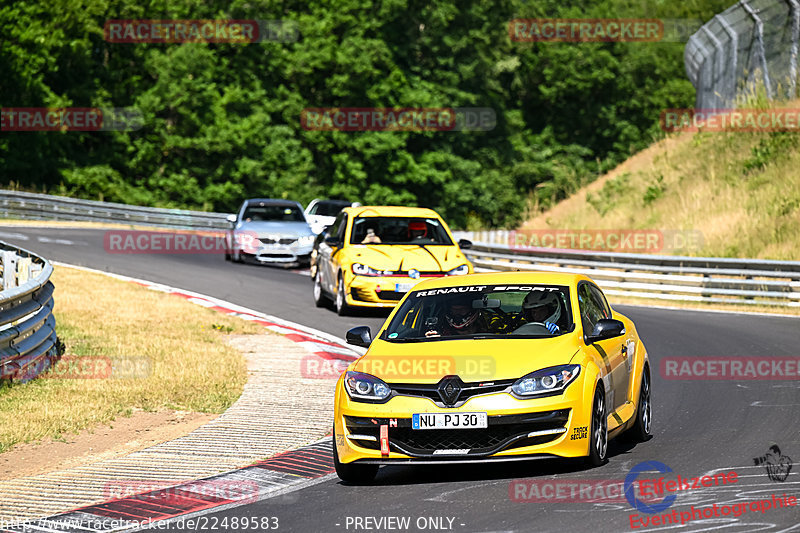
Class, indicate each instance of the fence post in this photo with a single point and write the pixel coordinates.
(794, 10)
(734, 50)
(760, 42)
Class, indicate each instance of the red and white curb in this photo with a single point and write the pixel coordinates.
(313, 340)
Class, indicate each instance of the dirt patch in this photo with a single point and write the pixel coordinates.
(123, 436)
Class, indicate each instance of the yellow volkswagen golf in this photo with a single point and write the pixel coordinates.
(371, 256)
(492, 367)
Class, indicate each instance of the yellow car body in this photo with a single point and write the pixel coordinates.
(355, 273)
(614, 369)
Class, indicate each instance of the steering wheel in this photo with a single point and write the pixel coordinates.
(508, 320)
(531, 328)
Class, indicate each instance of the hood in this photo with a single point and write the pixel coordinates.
(404, 257)
(289, 229)
(471, 360)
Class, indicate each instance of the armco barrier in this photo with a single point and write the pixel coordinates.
(28, 342)
(25, 205)
(676, 278)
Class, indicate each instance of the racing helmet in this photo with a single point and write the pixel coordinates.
(547, 299)
(461, 321)
(417, 226)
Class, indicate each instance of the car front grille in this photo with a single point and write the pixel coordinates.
(468, 390)
(505, 432)
(271, 241)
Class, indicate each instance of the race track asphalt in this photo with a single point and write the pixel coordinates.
(699, 426)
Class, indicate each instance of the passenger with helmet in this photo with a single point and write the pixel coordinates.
(459, 319)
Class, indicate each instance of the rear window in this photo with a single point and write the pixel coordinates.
(329, 208)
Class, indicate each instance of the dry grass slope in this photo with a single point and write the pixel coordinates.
(741, 190)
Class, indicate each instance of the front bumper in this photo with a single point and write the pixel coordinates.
(542, 427)
(379, 291)
(282, 254)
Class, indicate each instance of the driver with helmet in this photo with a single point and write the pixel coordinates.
(459, 319)
(542, 307)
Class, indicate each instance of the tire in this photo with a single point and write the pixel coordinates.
(598, 436)
(319, 295)
(342, 307)
(641, 429)
(353, 473)
(227, 256)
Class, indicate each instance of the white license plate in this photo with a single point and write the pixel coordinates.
(403, 287)
(448, 420)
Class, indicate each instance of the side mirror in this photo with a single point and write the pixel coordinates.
(359, 336)
(231, 219)
(464, 244)
(332, 240)
(606, 328)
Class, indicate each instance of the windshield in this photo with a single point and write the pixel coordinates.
(263, 213)
(398, 230)
(481, 311)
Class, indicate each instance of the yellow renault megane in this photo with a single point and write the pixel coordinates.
(492, 367)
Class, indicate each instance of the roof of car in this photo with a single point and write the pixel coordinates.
(390, 211)
(503, 278)
(271, 201)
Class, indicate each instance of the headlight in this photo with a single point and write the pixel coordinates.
(459, 271)
(305, 240)
(547, 380)
(360, 386)
(364, 270)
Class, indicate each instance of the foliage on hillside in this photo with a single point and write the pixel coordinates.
(222, 120)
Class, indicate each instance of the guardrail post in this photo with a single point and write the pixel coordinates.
(9, 270)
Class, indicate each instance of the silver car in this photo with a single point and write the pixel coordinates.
(269, 231)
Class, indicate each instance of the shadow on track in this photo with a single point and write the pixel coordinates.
(428, 474)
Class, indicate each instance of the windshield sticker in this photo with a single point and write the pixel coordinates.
(481, 288)
(451, 290)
